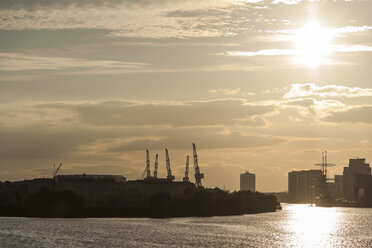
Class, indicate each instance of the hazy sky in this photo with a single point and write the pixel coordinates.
(262, 86)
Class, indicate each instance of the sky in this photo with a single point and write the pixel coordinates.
(258, 85)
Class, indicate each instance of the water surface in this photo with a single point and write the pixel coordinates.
(294, 226)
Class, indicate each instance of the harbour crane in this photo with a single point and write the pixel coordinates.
(147, 170)
(55, 173)
(156, 166)
(198, 175)
(169, 171)
(186, 177)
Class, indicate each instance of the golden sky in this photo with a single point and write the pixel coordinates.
(263, 86)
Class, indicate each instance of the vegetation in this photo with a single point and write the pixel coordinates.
(121, 203)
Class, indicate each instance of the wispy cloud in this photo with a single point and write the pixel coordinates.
(264, 52)
(124, 18)
(352, 49)
(311, 89)
(23, 62)
(231, 92)
(330, 30)
(280, 52)
(288, 2)
(356, 114)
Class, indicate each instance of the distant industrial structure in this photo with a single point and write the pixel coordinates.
(86, 184)
(247, 182)
(309, 186)
(170, 177)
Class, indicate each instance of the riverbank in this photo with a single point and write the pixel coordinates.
(200, 203)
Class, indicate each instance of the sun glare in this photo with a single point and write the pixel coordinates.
(312, 226)
(312, 44)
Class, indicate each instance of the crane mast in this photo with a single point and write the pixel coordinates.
(186, 177)
(169, 171)
(198, 175)
(55, 172)
(148, 174)
(324, 168)
(156, 166)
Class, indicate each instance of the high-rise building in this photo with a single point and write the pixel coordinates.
(304, 186)
(248, 181)
(357, 166)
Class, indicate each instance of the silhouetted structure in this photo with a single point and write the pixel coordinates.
(186, 177)
(304, 186)
(248, 181)
(353, 179)
(198, 176)
(170, 177)
(363, 188)
(325, 182)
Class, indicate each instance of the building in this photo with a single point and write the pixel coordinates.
(304, 186)
(338, 186)
(248, 181)
(363, 188)
(351, 178)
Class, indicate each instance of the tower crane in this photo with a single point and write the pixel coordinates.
(198, 175)
(186, 177)
(169, 171)
(156, 166)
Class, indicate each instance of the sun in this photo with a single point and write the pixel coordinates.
(312, 44)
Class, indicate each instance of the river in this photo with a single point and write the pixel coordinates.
(294, 226)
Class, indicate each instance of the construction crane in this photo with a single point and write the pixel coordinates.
(323, 167)
(169, 171)
(198, 175)
(55, 173)
(146, 172)
(186, 177)
(156, 166)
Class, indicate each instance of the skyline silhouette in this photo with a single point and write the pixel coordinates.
(262, 86)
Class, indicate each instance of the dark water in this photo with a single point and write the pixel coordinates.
(294, 226)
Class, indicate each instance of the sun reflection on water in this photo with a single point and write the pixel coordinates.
(312, 226)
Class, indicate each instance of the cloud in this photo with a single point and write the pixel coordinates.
(147, 19)
(352, 49)
(360, 114)
(35, 4)
(288, 2)
(78, 130)
(264, 52)
(209, 138)
(42, 141)
(311, 89)
(23, 62)
(294, 52)
(352, 29)
(231, 92)
(177, 114)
